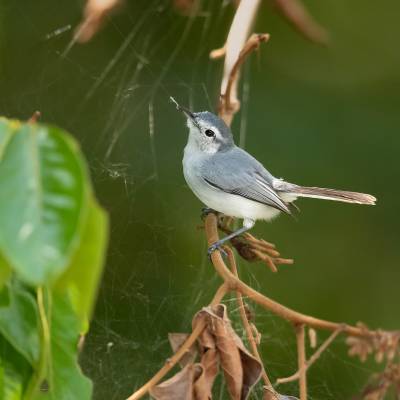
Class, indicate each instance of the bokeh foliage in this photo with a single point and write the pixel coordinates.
(52, 242)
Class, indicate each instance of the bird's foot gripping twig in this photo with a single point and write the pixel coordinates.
(253, 249)
(217, 246)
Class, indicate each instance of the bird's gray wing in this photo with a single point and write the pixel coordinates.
(237, 172)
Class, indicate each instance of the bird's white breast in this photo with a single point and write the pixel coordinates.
(226, 203)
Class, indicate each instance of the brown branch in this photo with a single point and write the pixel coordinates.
(301, 360)
(275, 307)
(313, 358)
(270, 392)
(171, 362)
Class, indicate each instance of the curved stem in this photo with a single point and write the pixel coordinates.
(40, 373)
(284, 312)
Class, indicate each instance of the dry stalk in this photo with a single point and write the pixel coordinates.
(229, 103)
(301, 360)
(269, 390)
(312, 359)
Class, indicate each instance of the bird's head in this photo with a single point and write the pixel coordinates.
(207, 132)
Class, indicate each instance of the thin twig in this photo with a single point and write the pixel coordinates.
(301, 360)
(313, 358)
(249, 332)
(171, 362)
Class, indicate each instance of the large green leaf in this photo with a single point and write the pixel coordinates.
(43, 200)
(82, 278)
(19, 320)
(15, 372)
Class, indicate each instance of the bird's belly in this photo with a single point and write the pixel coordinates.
(229, 204)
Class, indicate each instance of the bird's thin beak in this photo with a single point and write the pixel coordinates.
(186, 111)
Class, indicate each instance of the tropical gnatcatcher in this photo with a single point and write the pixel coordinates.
(229, 180)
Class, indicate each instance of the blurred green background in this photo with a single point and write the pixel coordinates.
(313, 115)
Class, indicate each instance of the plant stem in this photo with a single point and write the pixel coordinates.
(42, 366)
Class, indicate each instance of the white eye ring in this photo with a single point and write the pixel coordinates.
(209, 133)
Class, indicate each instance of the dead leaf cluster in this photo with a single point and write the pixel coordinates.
(383, 344)
(381, 384)
(253, 249)
(218, 348)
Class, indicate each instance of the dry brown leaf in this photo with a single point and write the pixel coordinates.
(203, 385)
(241, 369)
(94, 16)
(176, 340)
(209, 361)
(180, 386)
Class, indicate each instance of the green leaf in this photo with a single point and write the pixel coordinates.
(82, 278)
(15, 372)
(43, 201)
(19, 320)
(64, 377)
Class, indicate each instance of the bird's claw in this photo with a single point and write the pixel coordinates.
(216, 246)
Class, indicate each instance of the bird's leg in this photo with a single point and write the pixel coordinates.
(247, 224)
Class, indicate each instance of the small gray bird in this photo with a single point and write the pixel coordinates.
(229, 180)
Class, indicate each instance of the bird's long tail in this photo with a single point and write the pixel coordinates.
(325, 194)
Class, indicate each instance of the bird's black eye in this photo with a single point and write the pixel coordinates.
(209, 133)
